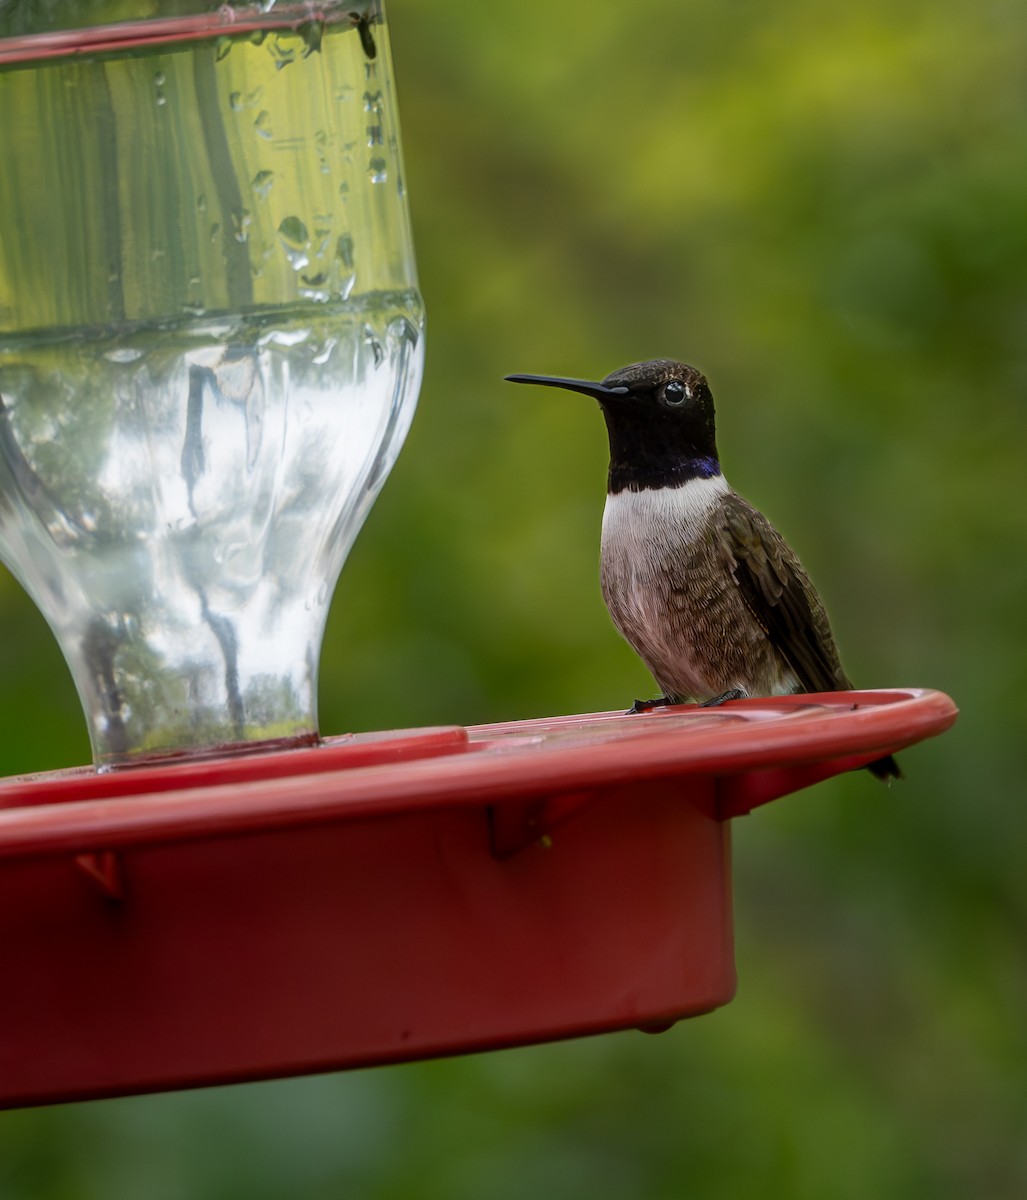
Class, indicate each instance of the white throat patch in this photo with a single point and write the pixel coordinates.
(630, 517)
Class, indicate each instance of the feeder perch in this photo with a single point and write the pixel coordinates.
(393, 896)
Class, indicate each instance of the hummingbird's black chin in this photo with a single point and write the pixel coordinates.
(587, 387)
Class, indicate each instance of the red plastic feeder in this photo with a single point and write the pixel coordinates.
(386, 897)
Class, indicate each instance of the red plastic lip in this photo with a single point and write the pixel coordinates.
(773, 745)
(393, 896)
(131, 35)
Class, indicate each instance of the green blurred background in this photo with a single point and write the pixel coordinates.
(825, 208)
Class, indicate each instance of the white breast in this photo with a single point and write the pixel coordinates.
(670, 594)
(641, 521)
(651, 539)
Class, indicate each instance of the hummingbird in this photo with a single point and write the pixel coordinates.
(698, 581)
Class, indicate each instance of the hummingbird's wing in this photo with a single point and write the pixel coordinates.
(780, 596)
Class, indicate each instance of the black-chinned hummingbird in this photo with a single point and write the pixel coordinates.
(702, 586)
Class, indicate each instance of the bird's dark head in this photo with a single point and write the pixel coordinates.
(660, 420)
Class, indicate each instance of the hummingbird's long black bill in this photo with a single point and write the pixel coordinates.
(586, 386)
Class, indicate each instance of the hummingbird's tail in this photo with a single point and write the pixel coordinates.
(885, 769)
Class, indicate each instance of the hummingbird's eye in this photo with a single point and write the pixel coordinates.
(675, 393)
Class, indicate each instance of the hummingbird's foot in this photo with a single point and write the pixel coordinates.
(730, 694)
(644, 706)
(886, 769)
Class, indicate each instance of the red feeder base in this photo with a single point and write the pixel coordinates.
(387, 897)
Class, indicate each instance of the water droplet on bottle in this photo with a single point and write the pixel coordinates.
(375, 137)
(311, 32)
(373, 102)
(230, 550)
(221, 48)
(371, 338)
(314, 289)
(377, 170)
(262, 125)
(261, 183)
(282, 50)
(238, 101)
(123, 354)
(160, 79)
(293, 229)
(283, 337)
(241, 221)
(344, 250)
(295, 241)
(215, 229)
(325, 353)
(201, 202)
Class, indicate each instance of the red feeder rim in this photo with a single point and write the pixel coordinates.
(390, 896)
